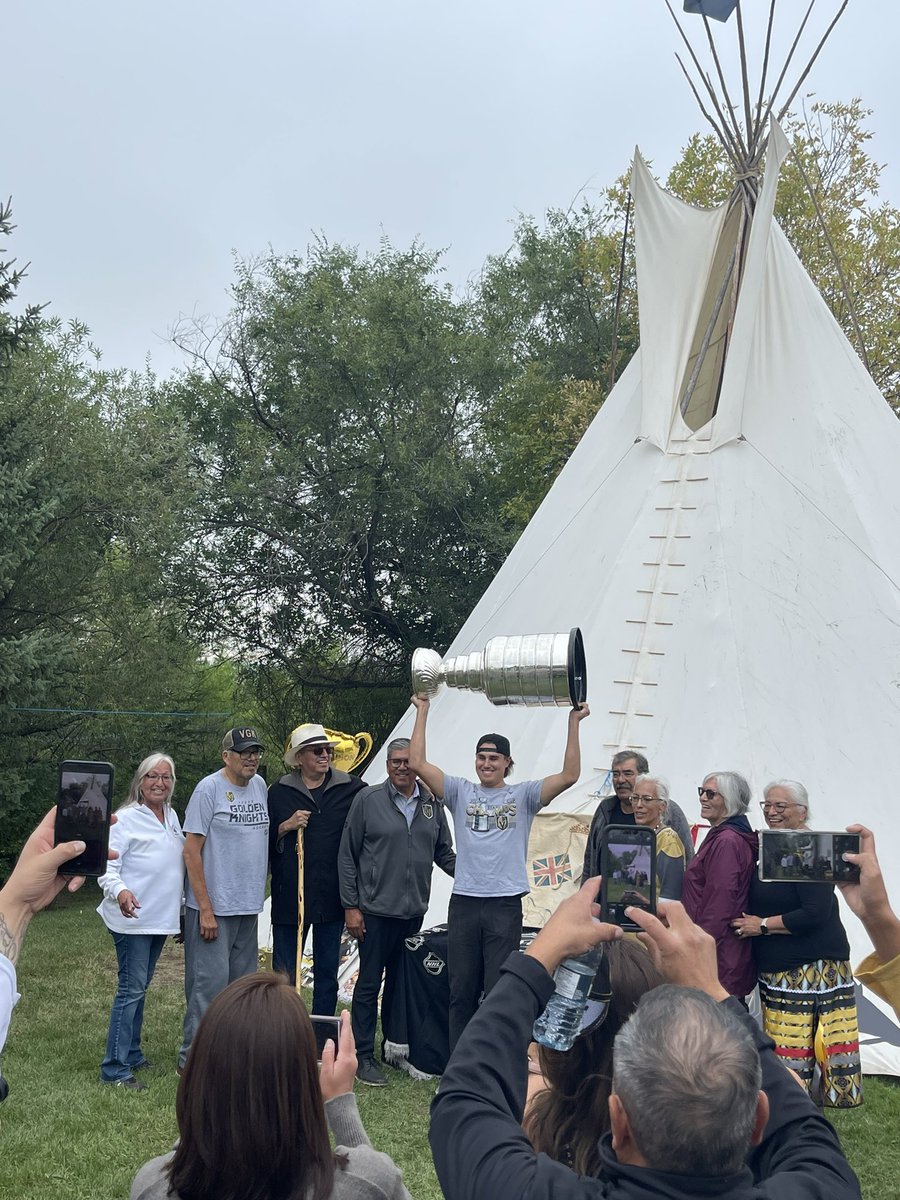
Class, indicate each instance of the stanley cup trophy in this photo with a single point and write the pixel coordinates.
(534, 670)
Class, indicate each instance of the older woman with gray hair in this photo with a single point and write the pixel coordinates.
(650, 802)
(142, 897)
(802, 956)
(717, 880)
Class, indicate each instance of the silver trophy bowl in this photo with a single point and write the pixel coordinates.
(534, 670)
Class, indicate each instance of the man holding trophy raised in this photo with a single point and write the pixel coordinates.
(492, 820)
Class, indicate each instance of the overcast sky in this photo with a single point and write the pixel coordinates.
(143, 143)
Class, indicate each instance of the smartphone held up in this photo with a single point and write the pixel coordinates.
(807, 856)
(326, 1029)
(628, 867)
(83, 812)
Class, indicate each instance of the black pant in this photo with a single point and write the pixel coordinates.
(380, 953)
(482, 932)
(326, 948)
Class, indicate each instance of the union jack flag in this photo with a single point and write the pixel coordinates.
(551, 871)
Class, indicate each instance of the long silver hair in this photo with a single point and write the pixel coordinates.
(156, 759)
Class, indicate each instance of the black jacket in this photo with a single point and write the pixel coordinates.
(480, 1150)
(385, 865)
(810, 912)
(674, 816)
(321, 839)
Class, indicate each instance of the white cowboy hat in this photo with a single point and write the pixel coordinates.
(305, 735)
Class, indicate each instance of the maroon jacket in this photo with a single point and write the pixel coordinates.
(716, 887)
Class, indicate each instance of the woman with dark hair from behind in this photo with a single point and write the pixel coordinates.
(568, 1118)
(254, 1109)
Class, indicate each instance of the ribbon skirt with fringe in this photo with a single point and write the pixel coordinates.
(809, 1012)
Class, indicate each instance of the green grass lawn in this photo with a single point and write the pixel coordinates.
(66, 1136)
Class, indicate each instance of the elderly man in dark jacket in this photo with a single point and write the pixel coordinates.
(316, 797)
(616, 809)
(394, 835)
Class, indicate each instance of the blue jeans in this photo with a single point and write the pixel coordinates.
(137, 954)
(326, 949)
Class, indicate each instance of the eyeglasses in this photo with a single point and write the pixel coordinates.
(247, 755)
(317, 750)
(398, 763)
(776, 808)
(708, 793)
(642, 800)
(155, 778)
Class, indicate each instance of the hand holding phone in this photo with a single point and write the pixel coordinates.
(628, 866)
(684, 953)
(807, 856)
(326, 1029)
(84, 814)
(338, 1057)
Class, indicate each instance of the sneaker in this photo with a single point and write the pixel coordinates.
(179, 1071)
(143, 1065)
(132, 1084)
(369, 1072)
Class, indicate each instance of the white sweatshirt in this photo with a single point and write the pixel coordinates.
(8, 996)
(151, 865)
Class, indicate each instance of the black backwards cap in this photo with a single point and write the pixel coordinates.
(494, 741)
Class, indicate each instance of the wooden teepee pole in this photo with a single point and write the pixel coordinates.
(745, 77)
(615, 330)
(787, 62)
(762, 76)
(728, 106)
(825, 36)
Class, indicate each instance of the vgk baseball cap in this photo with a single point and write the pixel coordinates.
(244, 737)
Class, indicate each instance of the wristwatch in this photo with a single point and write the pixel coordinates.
(763, 927)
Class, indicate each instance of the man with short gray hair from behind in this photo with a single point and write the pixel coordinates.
(689, 1099)
(700, 1105)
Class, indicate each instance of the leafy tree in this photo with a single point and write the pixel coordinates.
(342, 518)
(87, 501)
(30, 652)
(549, 307)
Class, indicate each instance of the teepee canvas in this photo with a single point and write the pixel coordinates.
(725, 535)
(734, 566)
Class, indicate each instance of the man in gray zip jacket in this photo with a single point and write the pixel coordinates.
(394, 834)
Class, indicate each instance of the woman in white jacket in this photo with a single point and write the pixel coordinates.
(142, 896)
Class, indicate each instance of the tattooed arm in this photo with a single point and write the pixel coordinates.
(34, 883)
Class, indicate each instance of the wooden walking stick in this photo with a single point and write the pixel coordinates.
(300, 939)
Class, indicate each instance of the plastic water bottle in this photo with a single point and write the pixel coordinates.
(560, 1023)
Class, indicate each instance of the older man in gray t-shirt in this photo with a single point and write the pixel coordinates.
(226, 854)
(491, 821)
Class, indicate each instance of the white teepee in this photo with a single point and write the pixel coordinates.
(737, 579)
